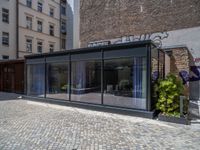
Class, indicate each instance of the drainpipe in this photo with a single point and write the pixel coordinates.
(17, 29)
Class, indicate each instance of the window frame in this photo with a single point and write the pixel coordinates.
(51, 47)
(63, 10)
(39, 26)
(5, 38)
(29, 3)
(39, 6)
(5, 15)
(39, 46)
(30, 44)
(51, 29)
(29, 23)
(63, 43)
(51, 11)
(5, 57)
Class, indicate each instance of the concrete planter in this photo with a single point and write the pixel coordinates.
(181, 120)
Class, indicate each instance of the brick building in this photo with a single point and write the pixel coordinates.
(172, 24)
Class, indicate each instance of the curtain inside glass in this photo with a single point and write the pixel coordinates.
(36, 80)
(86, 81)
(125, 82)
(57, 81)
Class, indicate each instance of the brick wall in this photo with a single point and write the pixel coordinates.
(107, 19)
(180, 62)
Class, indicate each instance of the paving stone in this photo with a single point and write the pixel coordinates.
(29, 125)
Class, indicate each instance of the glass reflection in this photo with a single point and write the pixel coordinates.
(36, 80)
(154, 61)
(86, 81)
(57, 81)
(161, 64)
(125, 82)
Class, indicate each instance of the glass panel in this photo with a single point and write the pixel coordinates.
(36, 80)
(57, 81)
(154, 75)
(161, 64)
(86, 81)
(154, 61)
(125, 82)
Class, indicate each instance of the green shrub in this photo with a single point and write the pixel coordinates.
(168, 92)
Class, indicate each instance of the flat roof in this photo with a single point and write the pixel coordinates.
(93, 49)
(11, 61)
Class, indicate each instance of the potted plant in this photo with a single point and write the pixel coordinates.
(168, 92)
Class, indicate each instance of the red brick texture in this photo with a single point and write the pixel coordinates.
(106, 19)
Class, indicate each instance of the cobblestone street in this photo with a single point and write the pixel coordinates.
(31, 125)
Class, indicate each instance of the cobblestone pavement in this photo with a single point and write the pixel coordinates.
(26, 125)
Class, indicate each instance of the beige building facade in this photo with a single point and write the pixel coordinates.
(7, 29)
(32, 27)
(38, 26)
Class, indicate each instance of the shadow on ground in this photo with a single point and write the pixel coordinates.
(8, 96)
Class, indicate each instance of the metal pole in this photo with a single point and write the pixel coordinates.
(181, 105)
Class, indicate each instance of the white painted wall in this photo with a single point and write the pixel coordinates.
(189, 37)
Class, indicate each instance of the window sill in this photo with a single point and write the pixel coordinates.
(5, 45)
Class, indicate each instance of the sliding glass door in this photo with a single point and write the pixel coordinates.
(57, 80)
(86, 78)
(36, 80)
(125, 82)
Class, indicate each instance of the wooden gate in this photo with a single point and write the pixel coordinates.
(12, 76)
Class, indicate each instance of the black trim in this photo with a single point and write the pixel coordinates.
(96, 107)
(149, 77)
(17, 29)
(45, 79)
(102, 77)
(158, 64)
(146, 45)
(93, 49)
(70, 78)
(164, 65)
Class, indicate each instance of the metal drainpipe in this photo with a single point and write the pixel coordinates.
(17, 29)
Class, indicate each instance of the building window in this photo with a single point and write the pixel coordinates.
(28, 22)
(40, 6)
(29, 3)
(63, 10)
(29, 45)
(63, 44)
(39, 47)
(5, 15)
(5, 38)
(5, 57)
(39, 29)
(51, 47)
(51, 12)
(51, 30)
(63, 26)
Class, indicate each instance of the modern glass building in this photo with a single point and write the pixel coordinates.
(119, 75)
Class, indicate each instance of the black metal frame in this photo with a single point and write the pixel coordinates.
(146, 44)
